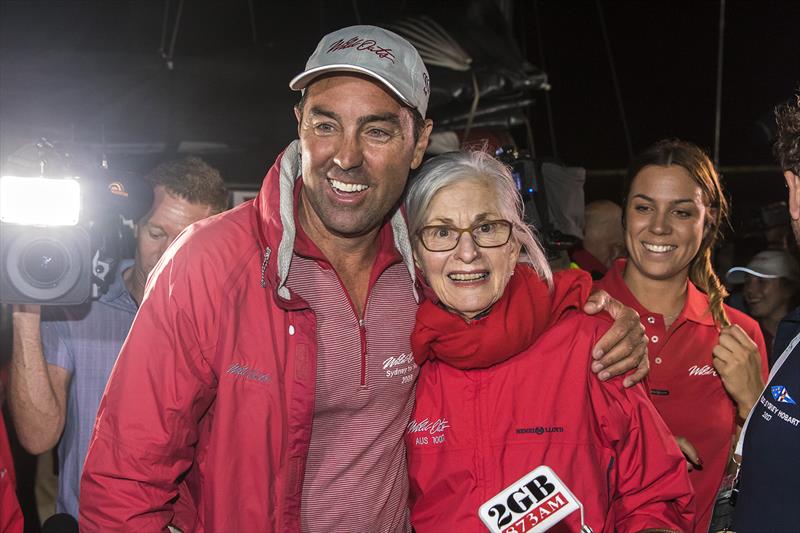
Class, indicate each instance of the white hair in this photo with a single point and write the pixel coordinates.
(447, 169)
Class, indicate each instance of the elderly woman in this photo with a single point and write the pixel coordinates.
(505, 386)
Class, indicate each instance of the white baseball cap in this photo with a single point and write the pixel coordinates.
(767, 264)
(374, 52)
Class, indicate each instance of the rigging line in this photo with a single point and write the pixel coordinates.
(252, 21)
(356, 12)
(547, 104)
(473, 108)
(164, 24)
(720, 58)
(174, 39)
(615, 79)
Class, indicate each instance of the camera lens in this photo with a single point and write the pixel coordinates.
(43, 263)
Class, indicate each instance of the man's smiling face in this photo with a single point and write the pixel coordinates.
(357, 144)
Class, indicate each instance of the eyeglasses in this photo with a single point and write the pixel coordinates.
(486, 234)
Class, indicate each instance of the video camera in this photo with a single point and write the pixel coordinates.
(62, 232)
(552, 196)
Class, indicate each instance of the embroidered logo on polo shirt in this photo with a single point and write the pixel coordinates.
(401, 365)
(780, 394)
(427, 432)
(705, 370)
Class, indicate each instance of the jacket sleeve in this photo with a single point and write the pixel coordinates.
(11, 520)
(650, 484)
(147, 422)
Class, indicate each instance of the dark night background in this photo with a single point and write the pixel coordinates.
(85, 72)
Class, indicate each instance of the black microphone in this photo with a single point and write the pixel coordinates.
(60, 523)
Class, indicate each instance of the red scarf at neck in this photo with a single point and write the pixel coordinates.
(514, 322)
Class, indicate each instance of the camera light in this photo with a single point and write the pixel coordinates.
(40, 201)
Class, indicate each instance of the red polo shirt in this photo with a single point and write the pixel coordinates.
(683, 384)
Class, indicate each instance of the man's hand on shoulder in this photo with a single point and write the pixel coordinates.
(624, 346)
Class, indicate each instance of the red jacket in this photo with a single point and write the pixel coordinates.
(486, 428)
(11, 520)
(215, 384)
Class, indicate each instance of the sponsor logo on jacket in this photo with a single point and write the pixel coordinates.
(427, 432)
(540, 430)
(251, 374)
(771, 409)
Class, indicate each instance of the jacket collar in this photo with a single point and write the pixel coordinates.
(275, 210)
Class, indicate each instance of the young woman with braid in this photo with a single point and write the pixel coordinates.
(707, 360)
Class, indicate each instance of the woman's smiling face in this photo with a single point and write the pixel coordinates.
(467, 279)
(666, 219)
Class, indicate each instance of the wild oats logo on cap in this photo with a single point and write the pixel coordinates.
(375, 52)
(368, 45)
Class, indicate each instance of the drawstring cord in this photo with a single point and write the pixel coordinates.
(267, 253)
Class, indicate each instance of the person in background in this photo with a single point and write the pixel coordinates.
(769, 480)
(62, 356)
(708, 360)
(502, 352)
(603, 240)
(771, 286)
(267, 381)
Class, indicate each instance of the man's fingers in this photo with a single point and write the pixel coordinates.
(625, 356)
(596, 302)
(641, 372)
(626, 332)
(616, 351)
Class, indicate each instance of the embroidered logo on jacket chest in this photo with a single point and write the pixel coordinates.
(426, 432)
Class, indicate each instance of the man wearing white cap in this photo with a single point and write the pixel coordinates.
(268, 378)
(771, 283)
(769, 445)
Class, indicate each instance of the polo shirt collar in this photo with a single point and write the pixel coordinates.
(696, 308)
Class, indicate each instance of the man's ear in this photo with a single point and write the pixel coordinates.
(422, 143)
(793, 183)
(298, 114)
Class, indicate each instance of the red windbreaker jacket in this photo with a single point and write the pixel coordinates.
(11, 520)
(474, 432)
(223, 358)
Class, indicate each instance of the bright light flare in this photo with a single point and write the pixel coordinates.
(40, 201)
